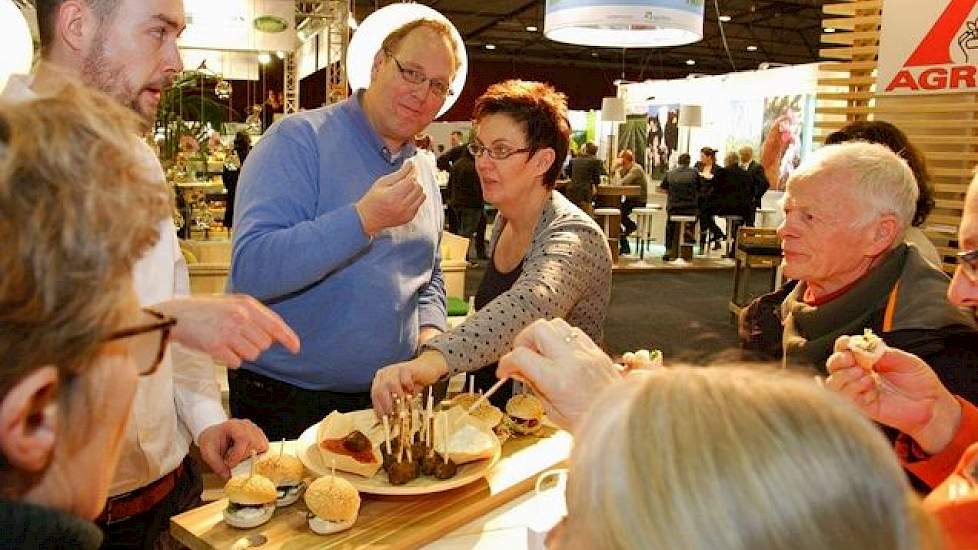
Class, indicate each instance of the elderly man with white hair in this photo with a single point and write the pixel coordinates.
(846, 211)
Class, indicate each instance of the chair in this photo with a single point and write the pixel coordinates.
(757, 247)
(643, 235)
(610, 221)
(685, 251)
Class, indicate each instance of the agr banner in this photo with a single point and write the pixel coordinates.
(928, 47)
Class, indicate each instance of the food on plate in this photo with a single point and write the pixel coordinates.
(351, 440)
(333, 504)
(867, 349)
(467, 442)
(251, 501)
(444, 469)
(464, 400)
(524, 413)
(642, 359)
(403, 472)
(285, 471)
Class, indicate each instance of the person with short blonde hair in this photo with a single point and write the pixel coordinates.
(72, 338)
(731, 458)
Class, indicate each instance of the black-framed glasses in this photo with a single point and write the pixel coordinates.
(147, 340)
(498, 152)
(438, 87)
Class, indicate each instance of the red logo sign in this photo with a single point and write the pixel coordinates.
(930, 66)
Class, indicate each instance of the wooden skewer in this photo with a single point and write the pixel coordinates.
(387, 434)
(478, 402)
(281, 449)
(472, 384)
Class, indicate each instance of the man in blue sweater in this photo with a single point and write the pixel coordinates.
(338, 230)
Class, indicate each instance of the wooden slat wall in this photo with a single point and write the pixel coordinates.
(944, 127)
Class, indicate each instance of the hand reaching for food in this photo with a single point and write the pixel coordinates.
(899, 390)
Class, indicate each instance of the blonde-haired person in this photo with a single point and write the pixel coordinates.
(72, 338)
(727, 458)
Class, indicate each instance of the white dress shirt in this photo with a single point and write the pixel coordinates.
(182, 397)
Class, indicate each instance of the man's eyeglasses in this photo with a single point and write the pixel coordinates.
(147, 340)
(499, 152)
(437, 87)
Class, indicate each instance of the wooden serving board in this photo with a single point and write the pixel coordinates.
(391, 522)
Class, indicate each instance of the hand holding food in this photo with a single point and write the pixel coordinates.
(524, 414)
(392, 201)
(563, 366)
(902, 391)
(407, 378)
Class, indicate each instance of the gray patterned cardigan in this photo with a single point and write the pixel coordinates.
(566, 273)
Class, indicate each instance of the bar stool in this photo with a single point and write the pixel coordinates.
(733, 224)
(685, 251)
(643, 235)
(610, 221)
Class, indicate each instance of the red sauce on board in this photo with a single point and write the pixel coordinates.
(336, 446)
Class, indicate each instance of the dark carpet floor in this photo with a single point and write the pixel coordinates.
(683, 313)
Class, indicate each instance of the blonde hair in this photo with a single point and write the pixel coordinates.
(392, 40)
(77, 209)
(735, 459)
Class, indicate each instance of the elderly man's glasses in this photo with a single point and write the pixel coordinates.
(147, 340)
(437, 87)
(498, 152)
(968, 262)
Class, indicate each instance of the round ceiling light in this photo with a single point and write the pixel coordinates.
(375, 28)
(270, 24)
(19, 51)
(640, 24)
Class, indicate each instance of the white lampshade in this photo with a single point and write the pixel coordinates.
(691, 116)
(374, 29)
(632, 24)
(613, 109)
(18, 46)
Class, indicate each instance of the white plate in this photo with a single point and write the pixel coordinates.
(308, 452)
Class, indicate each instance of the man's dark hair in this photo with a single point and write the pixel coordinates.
(47, 15)
(684, 159)
(590, 149)
(884, 133)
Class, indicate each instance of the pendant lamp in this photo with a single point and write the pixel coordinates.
(624, 23)
(18, 55)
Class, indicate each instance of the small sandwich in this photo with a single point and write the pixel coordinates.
(285, 471)
(523, 414)
(867, 349)
(251, 501)
(333, 503)
(642, 359)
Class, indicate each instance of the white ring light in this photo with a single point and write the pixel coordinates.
(374, 29)
(16, 41)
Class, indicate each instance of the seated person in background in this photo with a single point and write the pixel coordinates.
(585, 174)
(681, 185)
(72, 337)
(736, 197)
(630, 173)
(547, 257)
(712, 187)
(884, 133)
(846, 210)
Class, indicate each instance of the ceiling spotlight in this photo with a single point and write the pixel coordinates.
(691, 62)
(264, 58)
(829, 29)
(280, 54)
(752, 48)
(725, 18)
(531, 28)
(490, 46)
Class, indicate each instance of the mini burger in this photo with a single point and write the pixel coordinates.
(867, 349)
(285, 471)
(523, 414)
(333, 504)
(251, 501)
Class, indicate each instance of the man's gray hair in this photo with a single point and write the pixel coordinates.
(881, 181)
